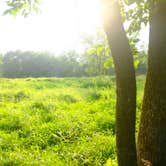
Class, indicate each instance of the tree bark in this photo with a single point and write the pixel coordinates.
(126, 83)
(152, 132)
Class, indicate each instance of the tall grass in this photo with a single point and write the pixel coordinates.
(58, 121)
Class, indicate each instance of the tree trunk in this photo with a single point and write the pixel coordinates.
(126, 83)
(152, 132)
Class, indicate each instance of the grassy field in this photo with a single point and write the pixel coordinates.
(59, 121)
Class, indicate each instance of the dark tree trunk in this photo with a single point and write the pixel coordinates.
(126, 83)
(152, 132)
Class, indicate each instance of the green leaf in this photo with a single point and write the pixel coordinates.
(91, 51)
(129, 2)
(108, 63)
(136, 63)
(99, 49)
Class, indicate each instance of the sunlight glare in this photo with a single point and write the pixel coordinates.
(58, 27)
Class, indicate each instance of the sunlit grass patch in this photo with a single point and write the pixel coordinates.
(59, 121)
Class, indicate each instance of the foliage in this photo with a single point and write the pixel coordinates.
(137, 14)
(33, 64)
(23, 7)
(97, 53)
(15, 64)
(44, 64)
(56, 122)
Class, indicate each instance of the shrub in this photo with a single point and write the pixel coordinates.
(67, 98)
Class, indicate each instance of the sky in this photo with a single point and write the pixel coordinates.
(58, 27)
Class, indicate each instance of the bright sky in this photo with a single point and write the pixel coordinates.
(57, 28)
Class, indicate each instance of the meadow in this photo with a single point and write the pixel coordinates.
(59, 121)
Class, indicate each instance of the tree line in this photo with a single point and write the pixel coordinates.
(17, 64)
(20, 64)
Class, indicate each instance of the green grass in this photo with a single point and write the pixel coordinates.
(59, 121)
